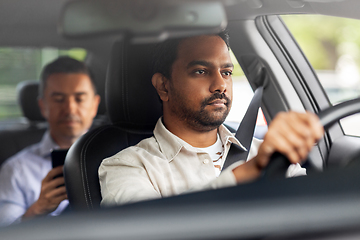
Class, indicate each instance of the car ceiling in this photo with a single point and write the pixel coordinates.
(29, 22)
(34, 22)
(250, 9)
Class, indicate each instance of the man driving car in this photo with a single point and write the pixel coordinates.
(190, 144)
(69, 102)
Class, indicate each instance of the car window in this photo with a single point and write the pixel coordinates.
(19, 64)
(333, 49)
(242, 95)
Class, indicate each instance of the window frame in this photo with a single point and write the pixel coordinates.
(308, 87)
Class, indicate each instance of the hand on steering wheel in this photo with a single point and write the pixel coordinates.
(278, 163)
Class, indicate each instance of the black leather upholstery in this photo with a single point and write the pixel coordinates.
(27, 98)
(133, 107)
(131, 100)
(26, 132)
(13, 141)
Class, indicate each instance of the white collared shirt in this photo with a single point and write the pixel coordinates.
(162, 166)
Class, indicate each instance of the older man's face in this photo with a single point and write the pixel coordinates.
(69, 104)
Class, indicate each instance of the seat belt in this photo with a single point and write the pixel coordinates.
(245, 131)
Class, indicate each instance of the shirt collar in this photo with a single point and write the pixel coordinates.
(170, 145)
(47, 144)
(227, 136)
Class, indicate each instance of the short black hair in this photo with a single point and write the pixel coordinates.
(63, 64)
(166, 53)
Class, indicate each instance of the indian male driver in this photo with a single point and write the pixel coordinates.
(190, 144)
(69, 102)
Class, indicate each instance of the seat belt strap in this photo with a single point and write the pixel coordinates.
(245, 131)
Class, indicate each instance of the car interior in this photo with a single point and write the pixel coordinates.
(13, 140)
(322, 205)
(132, 120)
(34, 125)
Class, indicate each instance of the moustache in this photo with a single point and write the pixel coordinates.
(217, 96)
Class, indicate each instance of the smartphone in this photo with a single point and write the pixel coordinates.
(58, 159)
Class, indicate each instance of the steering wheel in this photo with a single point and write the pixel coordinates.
(278, 163)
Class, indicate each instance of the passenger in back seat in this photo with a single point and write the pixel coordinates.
(68, 100)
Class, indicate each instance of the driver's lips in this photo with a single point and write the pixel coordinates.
(217, 100)
(219, 103)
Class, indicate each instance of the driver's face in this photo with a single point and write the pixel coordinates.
(200, 88)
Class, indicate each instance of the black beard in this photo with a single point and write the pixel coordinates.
(203, 120)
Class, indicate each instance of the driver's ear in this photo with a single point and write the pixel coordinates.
(159, 81)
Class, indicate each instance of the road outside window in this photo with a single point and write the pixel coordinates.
(333, 49)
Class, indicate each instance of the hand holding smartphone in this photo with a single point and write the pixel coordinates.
(58, 159)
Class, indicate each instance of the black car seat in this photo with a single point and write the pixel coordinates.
(28, 131)
(133, 108)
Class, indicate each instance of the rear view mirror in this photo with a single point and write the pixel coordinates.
(144, 20)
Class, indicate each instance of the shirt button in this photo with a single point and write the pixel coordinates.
(206, 161)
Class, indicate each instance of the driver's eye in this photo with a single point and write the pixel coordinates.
(227, 73)
(200, 71)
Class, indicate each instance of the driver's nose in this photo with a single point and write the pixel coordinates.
(218, 83)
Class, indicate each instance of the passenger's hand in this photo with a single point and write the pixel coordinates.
(293, 134)
(51, 194)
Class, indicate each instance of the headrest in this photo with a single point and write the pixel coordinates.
(27, 99)
(132, 101)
